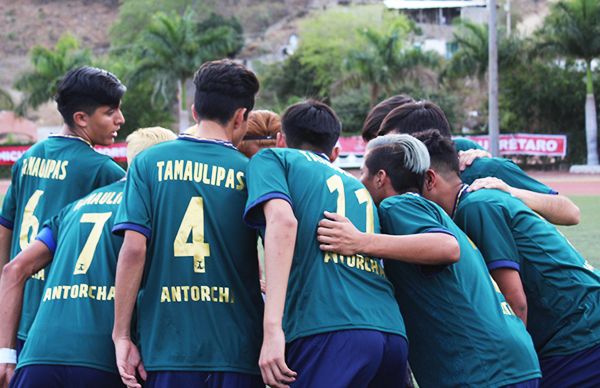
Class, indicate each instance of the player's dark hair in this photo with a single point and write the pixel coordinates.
(415, 117)
(391, 159)
(442, 152)
(311, 125)
(376, 115)
(84, 89)
(222, 87)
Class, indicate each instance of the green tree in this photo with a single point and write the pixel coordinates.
(384, 60)
(133, 17)
(572, 30)
(171, 49)
(6, 101)
(328, 36)
(49, 66)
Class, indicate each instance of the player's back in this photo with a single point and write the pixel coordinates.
(50, 175)
(506, 170)
(327, 291)
(562, 288)
(200, 297)
(453, 310)
(74, 322)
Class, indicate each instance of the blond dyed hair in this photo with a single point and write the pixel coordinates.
(142, 138)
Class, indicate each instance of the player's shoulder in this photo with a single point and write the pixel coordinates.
(489, 198)
(406, 202)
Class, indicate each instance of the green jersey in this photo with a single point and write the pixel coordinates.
(464, 144)
(50, 175)
(199, 306)
(73, 325)
(562, 288)
(506, 170)
(326, 291)
(462, 331)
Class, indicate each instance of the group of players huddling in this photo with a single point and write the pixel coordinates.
(152, 279)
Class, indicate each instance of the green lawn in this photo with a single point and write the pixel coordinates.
(586, 236)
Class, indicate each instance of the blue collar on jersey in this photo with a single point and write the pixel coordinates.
(71, 137)
(321, 154)
(459, 196)
(187, 136)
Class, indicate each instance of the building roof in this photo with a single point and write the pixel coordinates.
(433, 4)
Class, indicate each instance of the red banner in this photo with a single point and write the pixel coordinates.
(510, 144)
(10, 154)
(527, 144)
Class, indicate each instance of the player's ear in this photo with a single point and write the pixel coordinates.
(430, 180)
(80, 119)
(195, 114)
(239, 117)
(280, 142)
(335, 152)
(381, 179)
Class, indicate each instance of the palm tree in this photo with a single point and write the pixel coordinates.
(384, 61)
(572, 30)
(172, 48)
(49, 66)
(6, 101)
(471, 58)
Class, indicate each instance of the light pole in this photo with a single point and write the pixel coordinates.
(493, 124)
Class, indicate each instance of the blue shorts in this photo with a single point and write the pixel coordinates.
(63, 376)
(162, 379)
(20, 344)
(581, 369)
(349, 358)
(533, 383)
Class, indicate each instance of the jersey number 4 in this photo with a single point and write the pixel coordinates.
(192, 223)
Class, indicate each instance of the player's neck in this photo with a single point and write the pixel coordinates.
(212, 130)
(455, 190)
(76, 132)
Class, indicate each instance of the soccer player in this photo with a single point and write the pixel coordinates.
(548, 284)
(61, 169)
(69, 343)
(187, 257)
(420, 116)
(342, 326)
(461, 330)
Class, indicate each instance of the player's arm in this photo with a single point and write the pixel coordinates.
(5, 240)
(130, 267)
(337, 234)
(280, 240)
(510, 285)
(555, 208)
(14, 275)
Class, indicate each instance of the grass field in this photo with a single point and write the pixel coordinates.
(586, 236)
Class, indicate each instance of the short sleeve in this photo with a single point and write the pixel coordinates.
(51, 229)
(487, 223)
(506, 170)
(135, 212)
(410, 217)
(9, 205)
(463, 144)
(266, 180)
(109, 172)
